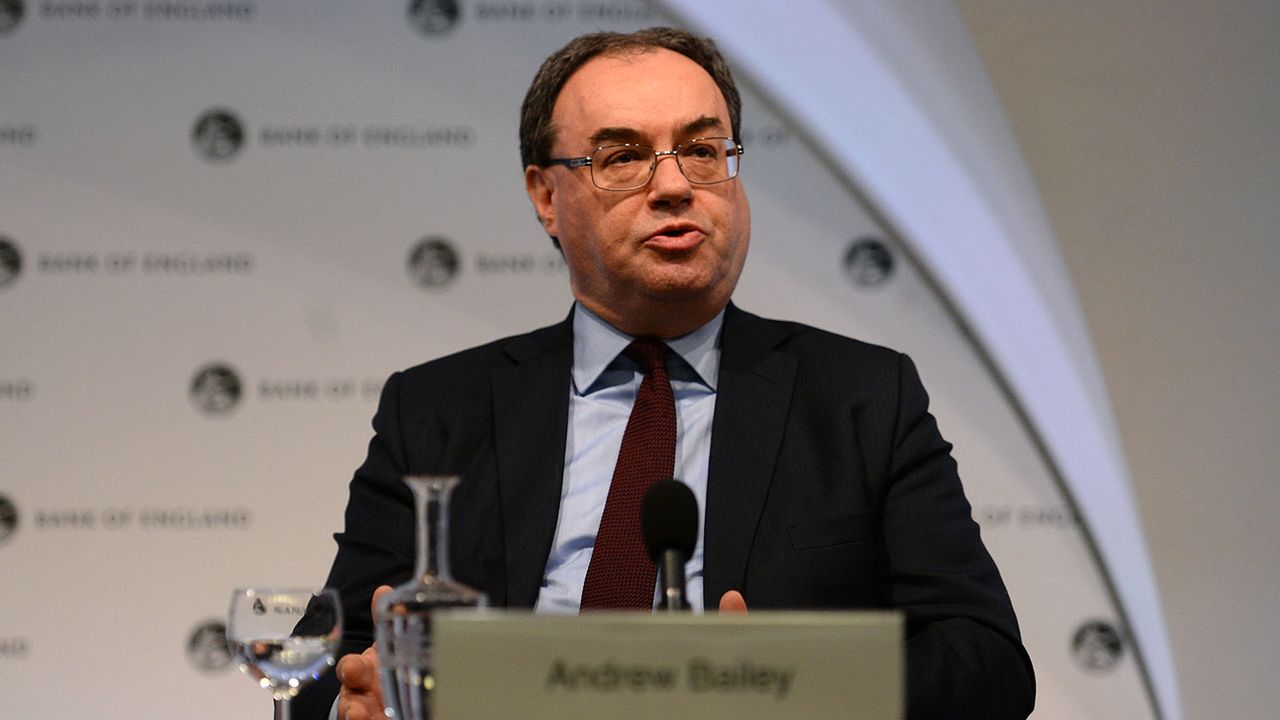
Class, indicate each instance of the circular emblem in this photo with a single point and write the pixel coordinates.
(10, 262)
(11, 12)
(218, 135)
(8, 519)
(15, 648)
(1097, 646)
(207, 649)
(434, 17)
(868, 262)
(433, 262)
(215, 390)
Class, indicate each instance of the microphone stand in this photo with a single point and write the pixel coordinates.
(673, 582)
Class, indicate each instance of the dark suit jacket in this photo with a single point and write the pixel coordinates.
(829, 487)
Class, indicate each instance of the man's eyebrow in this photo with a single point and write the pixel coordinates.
(706, 122)
(609, 135)
(605, 136)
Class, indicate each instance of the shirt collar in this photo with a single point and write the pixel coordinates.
(597, 344)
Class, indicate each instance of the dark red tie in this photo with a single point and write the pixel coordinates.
(621, 575)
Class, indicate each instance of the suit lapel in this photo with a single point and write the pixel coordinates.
(752, 403)
(530, 415)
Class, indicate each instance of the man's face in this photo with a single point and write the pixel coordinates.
(660, 258)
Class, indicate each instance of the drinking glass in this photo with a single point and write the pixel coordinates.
(403, 616)
(284, 637)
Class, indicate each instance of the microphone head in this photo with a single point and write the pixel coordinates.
(669, 519)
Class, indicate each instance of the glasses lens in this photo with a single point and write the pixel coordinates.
(629, 166)
(709, 160)
(621, 167)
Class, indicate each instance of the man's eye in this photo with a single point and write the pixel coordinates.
(621, 157)
(702, 152)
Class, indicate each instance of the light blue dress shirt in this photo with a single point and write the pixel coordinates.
(600, 397)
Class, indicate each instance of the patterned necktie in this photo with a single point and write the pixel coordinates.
(621, 576)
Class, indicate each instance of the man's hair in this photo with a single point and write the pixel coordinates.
(536, 130)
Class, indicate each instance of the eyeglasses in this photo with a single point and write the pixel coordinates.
(628, 166)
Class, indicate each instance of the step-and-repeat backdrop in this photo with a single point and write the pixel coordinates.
(222, 224)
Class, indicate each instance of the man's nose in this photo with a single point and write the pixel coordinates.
(669, 183)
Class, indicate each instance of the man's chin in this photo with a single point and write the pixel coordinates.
(678, 287)
(687, 296)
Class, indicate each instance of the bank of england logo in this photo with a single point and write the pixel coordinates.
(258, 607)
(433, 262)
(207, 649)
(8, 519)
(868, 262)
(218, 135)
(216, 389)
(10, 262)
(11, 12)
(1097, 646)
(434, 17)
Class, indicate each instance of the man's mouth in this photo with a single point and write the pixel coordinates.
(676, 237)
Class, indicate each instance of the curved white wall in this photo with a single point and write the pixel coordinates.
(898, 97)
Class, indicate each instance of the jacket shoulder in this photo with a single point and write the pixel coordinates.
(479, 361)
(812, 345)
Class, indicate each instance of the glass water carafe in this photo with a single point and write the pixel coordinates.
(402, 617)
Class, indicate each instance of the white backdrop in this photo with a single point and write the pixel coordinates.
(191, 344)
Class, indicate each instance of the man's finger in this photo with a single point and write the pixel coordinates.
(382, 590)
(359, 699)
(352, 711)
(354, 672)
(358, 709)
(733, 602)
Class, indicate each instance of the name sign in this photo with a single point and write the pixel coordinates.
(764, 665)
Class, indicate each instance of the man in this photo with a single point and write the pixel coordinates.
(823, 478)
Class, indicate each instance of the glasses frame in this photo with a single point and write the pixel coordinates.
(585, 161)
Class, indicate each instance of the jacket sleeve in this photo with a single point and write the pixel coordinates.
(964, 654)
(374, 548)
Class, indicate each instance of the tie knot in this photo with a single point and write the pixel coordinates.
(651, 354)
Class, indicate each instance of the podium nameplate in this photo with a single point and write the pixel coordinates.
(765, 666)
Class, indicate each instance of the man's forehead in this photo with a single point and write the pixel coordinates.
(639, 93)
(638, 65)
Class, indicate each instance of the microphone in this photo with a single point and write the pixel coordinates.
(669, 519)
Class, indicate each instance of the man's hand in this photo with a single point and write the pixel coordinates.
(732, 602)
(361, 695)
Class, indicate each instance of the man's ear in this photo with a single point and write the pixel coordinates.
(541, 189)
